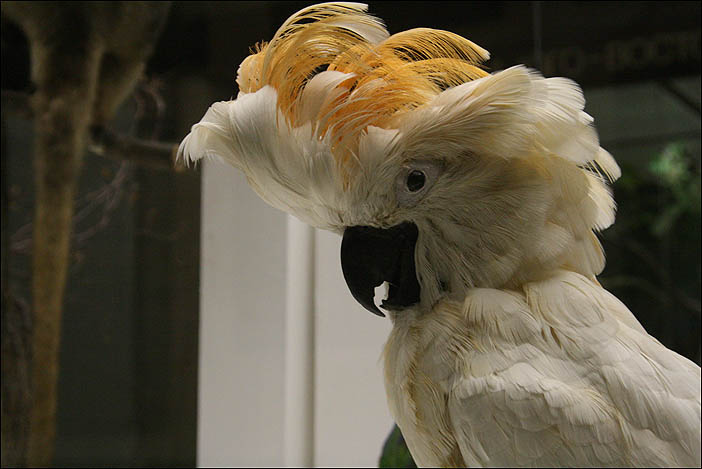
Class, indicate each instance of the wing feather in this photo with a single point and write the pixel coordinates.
(588, 386)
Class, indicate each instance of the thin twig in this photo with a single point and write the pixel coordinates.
(155, 155)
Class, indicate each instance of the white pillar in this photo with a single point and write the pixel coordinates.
(242, 331)
(298, 436)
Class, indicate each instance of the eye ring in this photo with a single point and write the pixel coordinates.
(416, 179)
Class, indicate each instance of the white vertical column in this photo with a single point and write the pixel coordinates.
(298, 436)
(242, 330)
(352, 419)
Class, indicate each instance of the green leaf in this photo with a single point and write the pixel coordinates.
(671, 165)
(395, 452)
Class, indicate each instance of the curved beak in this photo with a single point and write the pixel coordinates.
(371, 256)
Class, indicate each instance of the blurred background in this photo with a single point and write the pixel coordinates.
(172, 329)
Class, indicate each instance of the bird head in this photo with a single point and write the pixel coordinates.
(439, 176)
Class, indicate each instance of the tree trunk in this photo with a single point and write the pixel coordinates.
(79, 51)
(62, 108)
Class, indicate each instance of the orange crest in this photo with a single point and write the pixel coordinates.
(388, 75)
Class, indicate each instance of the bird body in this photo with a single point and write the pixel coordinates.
(476, 198)
(556, 373)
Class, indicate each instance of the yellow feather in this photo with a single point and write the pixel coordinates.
(425, 43)
(389, 75)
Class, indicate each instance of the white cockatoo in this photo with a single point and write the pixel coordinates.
(475, 196)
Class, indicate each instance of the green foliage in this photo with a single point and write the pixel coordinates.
(653, 249)
(674, 172)
(395, 452)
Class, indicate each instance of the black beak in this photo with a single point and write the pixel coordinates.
(370, 256)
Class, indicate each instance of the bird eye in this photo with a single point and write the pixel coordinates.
(415, 180)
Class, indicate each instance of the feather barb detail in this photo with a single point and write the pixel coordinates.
(384, 75)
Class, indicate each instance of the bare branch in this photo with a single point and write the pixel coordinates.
(106, 142)
(151, 154)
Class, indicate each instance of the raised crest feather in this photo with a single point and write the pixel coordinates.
(386, 75)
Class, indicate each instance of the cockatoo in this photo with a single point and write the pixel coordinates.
(475, 197)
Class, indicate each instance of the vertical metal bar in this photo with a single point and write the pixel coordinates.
(298, 436)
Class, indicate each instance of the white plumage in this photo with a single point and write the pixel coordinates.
(513, 353)
(557, 374)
